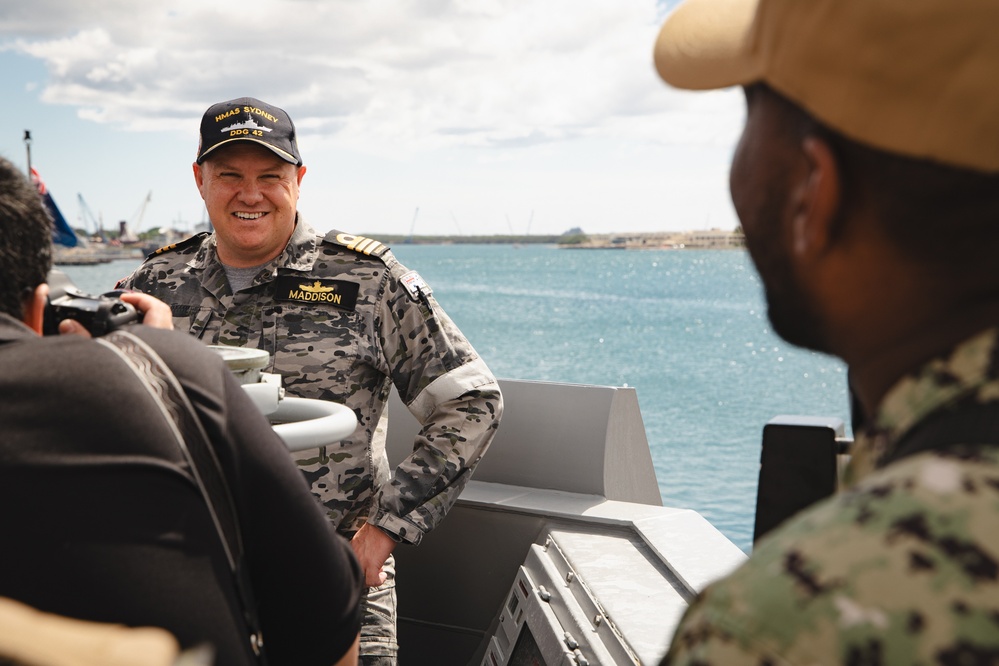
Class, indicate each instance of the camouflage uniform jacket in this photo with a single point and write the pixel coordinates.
(901, 567)
(343, 320)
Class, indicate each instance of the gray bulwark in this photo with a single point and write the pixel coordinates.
(561, 530)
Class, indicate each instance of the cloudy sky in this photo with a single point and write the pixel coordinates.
(443, 116)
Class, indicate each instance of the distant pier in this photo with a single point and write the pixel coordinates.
(710, 239)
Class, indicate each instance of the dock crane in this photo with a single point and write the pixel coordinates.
(127, 229)
(412, 226)
(136, 222)
(90, 219)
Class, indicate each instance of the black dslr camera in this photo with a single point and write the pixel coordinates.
(99, 314)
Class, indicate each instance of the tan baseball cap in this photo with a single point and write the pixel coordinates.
(915, 77)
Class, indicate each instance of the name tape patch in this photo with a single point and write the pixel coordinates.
(338, 293)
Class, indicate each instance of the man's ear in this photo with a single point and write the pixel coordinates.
(198, 176)
(34, 308)
(818, 198)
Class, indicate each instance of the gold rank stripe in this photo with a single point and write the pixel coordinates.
(361, 244)
(195, 239)
(366, 245)
(165, 248)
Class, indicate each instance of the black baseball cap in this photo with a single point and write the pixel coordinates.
(248, 119)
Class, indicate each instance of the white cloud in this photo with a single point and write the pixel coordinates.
(392, 74)
(479, 81)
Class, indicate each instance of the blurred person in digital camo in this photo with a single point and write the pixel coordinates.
(867, 184)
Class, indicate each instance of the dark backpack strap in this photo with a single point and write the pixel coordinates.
(192, 439)
(968, 424)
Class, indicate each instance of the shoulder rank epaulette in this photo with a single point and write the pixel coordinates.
(195, 239)
(360, 244)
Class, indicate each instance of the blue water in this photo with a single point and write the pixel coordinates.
(686, 328)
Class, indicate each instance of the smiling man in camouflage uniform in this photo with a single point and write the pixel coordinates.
(344, 321)
(867, 184)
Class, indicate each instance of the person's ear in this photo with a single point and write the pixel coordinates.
(34, 308)
(818, 198)
(198, 176)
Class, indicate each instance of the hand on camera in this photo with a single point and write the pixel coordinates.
(155, 313)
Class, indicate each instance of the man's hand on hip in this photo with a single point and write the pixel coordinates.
(372, 546)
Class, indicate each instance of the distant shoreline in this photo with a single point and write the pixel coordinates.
(655, 240)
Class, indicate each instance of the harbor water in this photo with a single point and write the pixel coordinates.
(686, 328)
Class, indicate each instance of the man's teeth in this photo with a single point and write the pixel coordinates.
(249, 216)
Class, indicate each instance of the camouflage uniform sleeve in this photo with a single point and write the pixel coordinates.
(144, 278)
(156, 269)
(769, 611)
(706, 637)
(449, 390)
(902, 568)
(133, 280)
